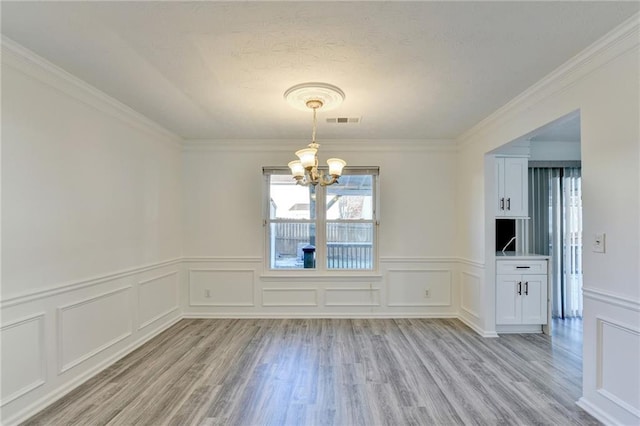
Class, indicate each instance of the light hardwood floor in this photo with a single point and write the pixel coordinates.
(332, 372)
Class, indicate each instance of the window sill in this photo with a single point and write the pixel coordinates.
(321, 276)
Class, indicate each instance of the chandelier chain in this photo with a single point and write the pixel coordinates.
(315, 123)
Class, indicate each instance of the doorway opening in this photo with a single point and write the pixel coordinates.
(552, 224)
(555, 224)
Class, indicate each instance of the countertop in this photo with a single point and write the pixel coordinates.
(516, 255)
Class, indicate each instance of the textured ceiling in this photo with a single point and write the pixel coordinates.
(411, 70)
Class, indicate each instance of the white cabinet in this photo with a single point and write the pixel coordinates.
(521, 292)
(511, 182)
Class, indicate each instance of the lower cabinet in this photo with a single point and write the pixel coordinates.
(521, 294)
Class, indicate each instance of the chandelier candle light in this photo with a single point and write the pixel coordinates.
(305, 170)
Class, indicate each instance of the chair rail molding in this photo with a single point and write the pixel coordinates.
(611, 299)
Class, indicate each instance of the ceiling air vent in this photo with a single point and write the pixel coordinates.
(343, 120)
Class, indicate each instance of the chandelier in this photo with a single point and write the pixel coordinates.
(314, 96)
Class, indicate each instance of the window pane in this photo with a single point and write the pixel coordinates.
(352, 198)
(287, 241)
(288, 200)
(350, 245)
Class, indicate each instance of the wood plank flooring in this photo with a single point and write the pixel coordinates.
(331, 372)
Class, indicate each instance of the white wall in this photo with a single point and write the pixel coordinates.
(603, 84)
(91, 231)
(223, 195)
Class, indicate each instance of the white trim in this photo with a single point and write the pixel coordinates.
(157, 317)
(167, 311)
(431, 259)
(467, 311)
(77, 285)
(315, 277)
(611, 299)
(462, 307)
(615, 43)
(596, 412)
(600, 322)
(343, 145)
(221, 259)
(620, 403)
(470, 262)
(519, 328)
(60, 310)
(40, 317)
(276, 289)
(150, 280)
(301, 315)
(369, 290)
(477, 329)
(23, 59)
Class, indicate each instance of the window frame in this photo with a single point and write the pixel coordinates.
(321, 222)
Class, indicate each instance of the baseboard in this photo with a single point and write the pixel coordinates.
(594, 411)
(477, 329)
(519, 329)
(63, 390)
(298, 315)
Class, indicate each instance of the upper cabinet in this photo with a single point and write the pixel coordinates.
(511, 187)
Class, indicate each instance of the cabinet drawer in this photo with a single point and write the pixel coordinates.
(521, 267)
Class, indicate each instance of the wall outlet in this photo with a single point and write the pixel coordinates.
(598, 245)
(207, 293)
(427, 293)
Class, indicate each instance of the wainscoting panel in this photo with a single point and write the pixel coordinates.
(617, 368)
(470, 300)
(289, 297)
(221, 287)
(54, 340)
(157, 297)
(23, 357)
(87, 327)
(611, 347)
(352, 296)
(470, 280)
(409, 287)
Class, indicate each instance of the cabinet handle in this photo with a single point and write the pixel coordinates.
(526, 288)
(501, 203)
(523, 267)
(508, 203)
(520, 288)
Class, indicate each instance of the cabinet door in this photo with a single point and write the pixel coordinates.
(516, 188)
(498, 178)
(508, 305)
(534, 299)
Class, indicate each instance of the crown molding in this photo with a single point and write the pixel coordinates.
(342, 145)
(35, 66)
(618, 41)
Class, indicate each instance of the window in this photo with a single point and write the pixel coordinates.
(321, 228)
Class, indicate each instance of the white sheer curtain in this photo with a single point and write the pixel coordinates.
(555, 229)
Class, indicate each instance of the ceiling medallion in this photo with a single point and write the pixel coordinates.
(331, 96)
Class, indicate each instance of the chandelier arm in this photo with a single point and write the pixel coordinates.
(329, 180)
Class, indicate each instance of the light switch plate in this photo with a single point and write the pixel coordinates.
(599, 242)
